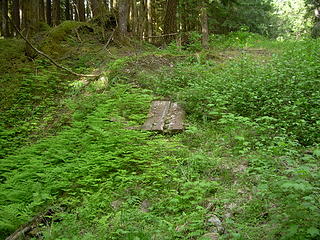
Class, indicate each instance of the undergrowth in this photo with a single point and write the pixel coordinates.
(249, 156)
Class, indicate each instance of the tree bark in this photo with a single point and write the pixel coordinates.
(170, 19)
(49, 12)
(41, 11)
(88, 11)
(204, 25)
(16, 13)
(56, 12)
(150, 19)
(71, 10)
(5, 24)
(134, 17)
(81, 10)
(1, 18)
(94, 7)
(30, 16)
(67, 10)
(123, 16)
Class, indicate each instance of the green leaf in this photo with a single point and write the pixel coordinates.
(313, 231)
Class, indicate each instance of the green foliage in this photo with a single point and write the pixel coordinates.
(249, 155)
(282, 93)
(263, 111)
(228, 16)
(239, 39)
(12, 49)
(292, 18)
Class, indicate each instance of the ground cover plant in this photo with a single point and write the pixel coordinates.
(247, 166)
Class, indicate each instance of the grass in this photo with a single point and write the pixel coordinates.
(249, 156)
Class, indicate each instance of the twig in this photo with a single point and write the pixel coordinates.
(46, 56)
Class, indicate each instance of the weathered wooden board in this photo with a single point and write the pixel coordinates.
(157, 116)
(176, 116)
(164, 116)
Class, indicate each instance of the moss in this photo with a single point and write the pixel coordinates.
(59, 38)
(63, 31)
(11, 50)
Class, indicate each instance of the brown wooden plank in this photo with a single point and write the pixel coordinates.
(175, 118)
(157, 116)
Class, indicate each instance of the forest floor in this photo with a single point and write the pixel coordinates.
(246, 166)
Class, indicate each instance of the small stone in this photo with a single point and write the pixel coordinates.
(211, 236)
(227, 215)
(216, 223)
(116, 204)
(145, 206)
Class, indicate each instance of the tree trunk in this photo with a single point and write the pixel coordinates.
(123, 16)
(16, 13)
(1, 18)
(67, 10)
(5, 23)
(134, 17)
(170, 19)
(110, 5)
(49, 16)
(150, 19)
(56, 12)
(30, 16)
(204, 25)
(81, 10)
(71, 10)
(89, 13)
(41, 11)
(142, 17)
(94, 7)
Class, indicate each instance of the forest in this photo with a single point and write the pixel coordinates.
(79, 80)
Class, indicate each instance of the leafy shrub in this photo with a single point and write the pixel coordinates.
(237, 39)
(283, 93)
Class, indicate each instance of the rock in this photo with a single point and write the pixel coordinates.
(211, 236)
(216, 224)
(116, 204)
(145, 206)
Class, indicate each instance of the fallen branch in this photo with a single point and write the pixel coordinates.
(46, 56)
(32, 224)
(109, 40)
(165, 35)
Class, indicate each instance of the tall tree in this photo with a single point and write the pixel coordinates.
(30, 16)
(94, 7)
(98, 7)
(67, 10)
(123, 16)
(5, 22)
(16, 13)
(204, 24)
(49, 12)
(81, 11)
(134, 16)
(170, 19)
(56, 11)
(150, 18)
(41, 11)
